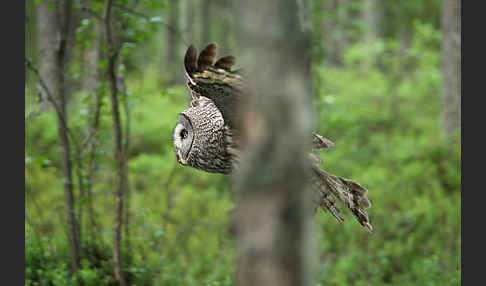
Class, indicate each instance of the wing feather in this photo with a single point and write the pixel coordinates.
(206, 57)
(225, 63)
(190, 60)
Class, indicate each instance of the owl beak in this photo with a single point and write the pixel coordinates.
(179, 158)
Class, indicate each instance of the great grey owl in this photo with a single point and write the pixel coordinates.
(204, 137)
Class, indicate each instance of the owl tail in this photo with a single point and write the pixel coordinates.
(351, 194)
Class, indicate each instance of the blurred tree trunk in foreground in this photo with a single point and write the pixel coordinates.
(273, 217)
(53, 25)
(451, 65)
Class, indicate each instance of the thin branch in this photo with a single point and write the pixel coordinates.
(50, 98)
(32, 113)
(78, 149)
(30, 66)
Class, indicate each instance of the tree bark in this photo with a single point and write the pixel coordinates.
(343, 26)
(329, 31)
(206, 22)
(91, 84)
(189, 20)
(227, 26)
(273, 216)
(172, 58)
(53, 38)
(119, 156)
(372, 17)
(451, 66)
(126, 148)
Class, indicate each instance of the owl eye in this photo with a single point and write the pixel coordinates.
(183, 133)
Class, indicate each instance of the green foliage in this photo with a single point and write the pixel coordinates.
(179, 215)
(386, 126)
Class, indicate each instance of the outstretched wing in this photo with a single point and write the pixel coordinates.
(329, 187)
(215, 81)
(350, 193)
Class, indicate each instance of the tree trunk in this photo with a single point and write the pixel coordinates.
(405, 37)
(343, 26)
(53, 36)
(206, 22)
(372, 17)
(173, 42)
(91, 84)
(224, 26)
(329, 37)
(451, 65)
(189, 18)
(126, 148)
(119, 156)
(273, 217)
(189, 21)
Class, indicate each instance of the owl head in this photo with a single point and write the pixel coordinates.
(200, 137)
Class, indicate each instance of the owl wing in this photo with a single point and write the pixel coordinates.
(214, 80)
(329, 186)
(350, 193)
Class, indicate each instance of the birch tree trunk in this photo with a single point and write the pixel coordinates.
(53, 25)
(273, 216)
(451, 65)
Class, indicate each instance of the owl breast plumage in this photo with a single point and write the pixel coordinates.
(206, 135)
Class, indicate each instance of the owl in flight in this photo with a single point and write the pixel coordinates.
(206, 134)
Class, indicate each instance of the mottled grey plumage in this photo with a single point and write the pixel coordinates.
(200, 139)
(206, 135)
